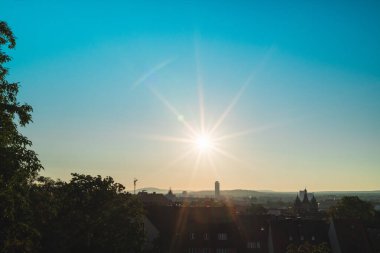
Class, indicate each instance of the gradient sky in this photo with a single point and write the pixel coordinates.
(88, 68)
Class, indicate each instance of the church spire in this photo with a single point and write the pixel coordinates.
(297, 202)
(305, 197)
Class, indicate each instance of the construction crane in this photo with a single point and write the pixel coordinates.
(134, 185)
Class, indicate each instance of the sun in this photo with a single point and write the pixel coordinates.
(204, 143)
(205, 138)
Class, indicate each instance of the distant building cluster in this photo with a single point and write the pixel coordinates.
(219, 229)
(171, 226)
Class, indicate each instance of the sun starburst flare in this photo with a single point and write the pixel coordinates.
(204, 142)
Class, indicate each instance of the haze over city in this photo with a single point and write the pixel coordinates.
(255, 95)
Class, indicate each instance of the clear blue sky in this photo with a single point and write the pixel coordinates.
(89, 67)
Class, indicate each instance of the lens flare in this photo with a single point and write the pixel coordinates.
(203, 137)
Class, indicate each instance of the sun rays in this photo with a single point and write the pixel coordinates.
(204, 142)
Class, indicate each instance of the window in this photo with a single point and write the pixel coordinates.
(251, 245)
(302, 238)
(290, 238)
(313, 238)
(192, 236)
(206, 236)
(199, 250)
(221, 250)
(222, 236)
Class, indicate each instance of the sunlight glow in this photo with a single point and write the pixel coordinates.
(204, 143)
(203, 140)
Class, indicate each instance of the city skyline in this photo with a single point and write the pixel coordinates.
(276, 96)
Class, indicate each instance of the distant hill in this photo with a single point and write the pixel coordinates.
(230, 193)
(263, 194)
(349, 192)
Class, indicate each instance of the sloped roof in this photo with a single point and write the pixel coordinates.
(176, 223)
(352, 236)
(153, 198)
(296, 231)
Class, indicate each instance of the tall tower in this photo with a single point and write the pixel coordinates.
(217, 189)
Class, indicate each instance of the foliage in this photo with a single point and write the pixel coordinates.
(87, 214)
(19, 165)
(353, 207)
(16, 159)
(308, 248)
(257, 209)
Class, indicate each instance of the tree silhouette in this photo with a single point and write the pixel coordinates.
(353, 207)
(19, 164)
(257, 209)
(87, 214)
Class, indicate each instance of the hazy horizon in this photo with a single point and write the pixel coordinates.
(278, 96)
(250, 189)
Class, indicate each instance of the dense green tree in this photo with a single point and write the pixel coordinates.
(17, 160)
(322, 248)
(19, 164)
(306, 247)
(353, 207)
(87, 214)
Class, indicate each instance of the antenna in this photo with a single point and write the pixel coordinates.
(134, 185)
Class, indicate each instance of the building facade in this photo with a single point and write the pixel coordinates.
(305, 203)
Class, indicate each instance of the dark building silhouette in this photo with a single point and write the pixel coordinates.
(153, 199)
(349, 236)
(305, 203)
(296, 231)
(170, 196)
(373, 231)
(220, 229)
(207, 230)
